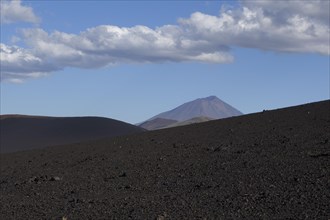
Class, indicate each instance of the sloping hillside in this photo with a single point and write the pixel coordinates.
(269, 165)
(20, 132)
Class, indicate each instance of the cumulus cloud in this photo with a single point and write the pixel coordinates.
(104, 45)
(295, 27)
(107, 44)
(256, 28)
(13, 11)
(18, 64)
(281, 10)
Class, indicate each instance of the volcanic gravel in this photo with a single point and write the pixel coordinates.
(268, 165)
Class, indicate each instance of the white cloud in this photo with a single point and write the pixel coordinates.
(252, 28)
(281, 10)
(18, 64)
(101, 46)
(13, 11)
(107, 44)
(295, 27)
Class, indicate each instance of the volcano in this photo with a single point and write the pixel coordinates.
(210, 107)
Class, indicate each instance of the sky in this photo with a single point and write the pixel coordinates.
(130, 60)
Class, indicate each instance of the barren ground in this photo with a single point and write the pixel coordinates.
(270, 165)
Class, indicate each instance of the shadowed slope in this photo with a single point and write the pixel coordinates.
(19, 132)
(270, 165)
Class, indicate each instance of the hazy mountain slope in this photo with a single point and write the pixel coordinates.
(190, 121)
(157, 123)
(211, 107)
(19, 132)
(268, 165)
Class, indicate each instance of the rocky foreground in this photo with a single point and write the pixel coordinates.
(269, 165)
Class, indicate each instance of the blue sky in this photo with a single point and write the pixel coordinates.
(130, 60)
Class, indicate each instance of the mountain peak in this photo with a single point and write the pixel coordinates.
(210, 98)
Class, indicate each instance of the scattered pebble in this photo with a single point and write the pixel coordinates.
(55, 178)
(40, 179)
(123, 174)
(162, 217)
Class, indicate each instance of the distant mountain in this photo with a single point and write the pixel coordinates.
(157, 123)
(211, 107)
(22, 132)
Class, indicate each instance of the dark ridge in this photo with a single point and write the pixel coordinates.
(22, 116)
(268, 165)
(19, 132)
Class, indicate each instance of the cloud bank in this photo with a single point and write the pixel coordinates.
(294, 27)
(13, 11)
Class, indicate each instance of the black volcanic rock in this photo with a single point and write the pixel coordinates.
(211, 107)
(21, 132)
(269, 165)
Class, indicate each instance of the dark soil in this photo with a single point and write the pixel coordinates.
(270, 165)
